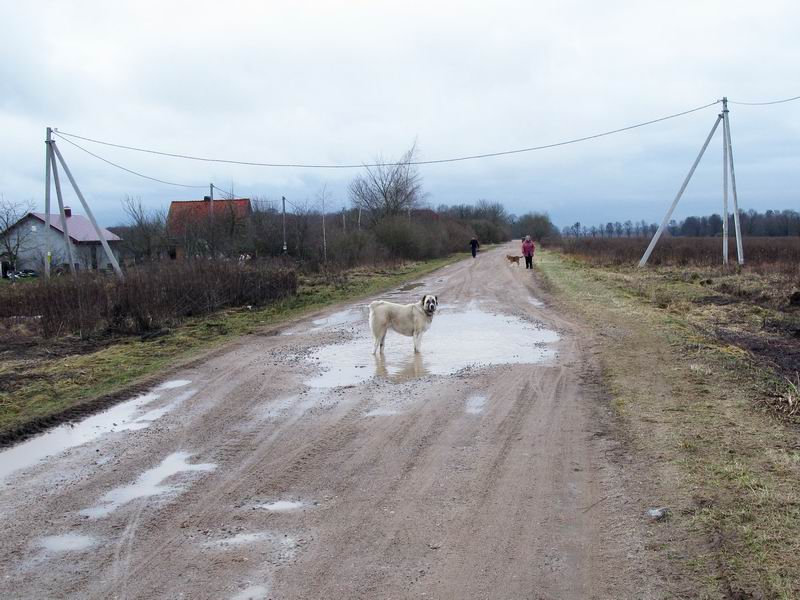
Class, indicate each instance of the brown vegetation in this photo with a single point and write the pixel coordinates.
(148, 299)
(761, 253)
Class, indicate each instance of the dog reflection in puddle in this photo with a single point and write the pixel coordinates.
(400, 370)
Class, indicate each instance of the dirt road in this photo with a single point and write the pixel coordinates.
(295, 465)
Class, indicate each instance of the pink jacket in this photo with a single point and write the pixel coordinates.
(528, 248)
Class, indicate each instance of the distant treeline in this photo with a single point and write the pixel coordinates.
(771, 223)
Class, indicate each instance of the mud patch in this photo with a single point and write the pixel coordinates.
(456, 340)
(780, 353)
(69, 542)
(149, 484)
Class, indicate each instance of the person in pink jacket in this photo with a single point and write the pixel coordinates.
(528, 248)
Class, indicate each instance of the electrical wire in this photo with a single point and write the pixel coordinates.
(359, 166)
(113, 164)
(765, 103)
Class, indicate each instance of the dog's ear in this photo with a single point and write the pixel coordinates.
(437, 299)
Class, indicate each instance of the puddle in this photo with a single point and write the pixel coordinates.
(150, 483)
(69, 542)
(456, 340)
(410, 286)
(281, 505)
(282, 547)
(381, 412)
(175, 383)
(536, 302)
(240, 539)
(476, 404)
(125, 416)
(254, 592)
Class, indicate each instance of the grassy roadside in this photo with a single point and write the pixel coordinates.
(49, 390)
(697, 411)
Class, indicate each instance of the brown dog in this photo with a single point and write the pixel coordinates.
(513, 259)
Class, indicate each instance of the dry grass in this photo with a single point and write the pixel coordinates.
(698, 414)
(762, 254)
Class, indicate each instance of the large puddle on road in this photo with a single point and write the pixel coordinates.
(456, 340)
(126, 416)
(150, 483)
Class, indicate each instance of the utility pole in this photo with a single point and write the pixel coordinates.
(344, 223)
(663, 225)
(324, 239)
(47, 254)
(727, 166)
(60, 197)
(724, 184)
(726, 128)
(111, 258)
(359, 218)
(283, 200)
(211, 218)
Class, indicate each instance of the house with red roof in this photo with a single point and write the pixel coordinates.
(26, 243)
(206, 227)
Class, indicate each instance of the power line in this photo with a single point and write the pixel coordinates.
(419, 162)
(113, 164)
(765, 103)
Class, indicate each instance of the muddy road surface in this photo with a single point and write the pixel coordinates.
(294, 464)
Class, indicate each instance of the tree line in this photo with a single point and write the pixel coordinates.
(770, 223)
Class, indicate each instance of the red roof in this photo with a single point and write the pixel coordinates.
(195, 212)
(80, 228)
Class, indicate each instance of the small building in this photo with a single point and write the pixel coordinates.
(206, 227)
(30, 241)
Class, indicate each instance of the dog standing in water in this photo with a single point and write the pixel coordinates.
(407, 319)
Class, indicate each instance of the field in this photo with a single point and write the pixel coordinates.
(761, 253)
(701, 365)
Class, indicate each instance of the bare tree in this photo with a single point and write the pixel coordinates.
(13, 241)
(145, 234)
(389, 188)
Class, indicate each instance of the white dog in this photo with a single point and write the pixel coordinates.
(408, 319)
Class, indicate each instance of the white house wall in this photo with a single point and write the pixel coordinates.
(32, 252)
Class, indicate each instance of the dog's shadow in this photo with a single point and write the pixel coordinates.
(401, 370)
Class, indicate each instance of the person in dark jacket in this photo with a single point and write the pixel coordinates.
(528, 248)
(475, 245)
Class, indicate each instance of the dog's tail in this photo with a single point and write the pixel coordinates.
(372, 306)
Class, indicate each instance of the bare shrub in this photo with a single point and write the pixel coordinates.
(148, 298)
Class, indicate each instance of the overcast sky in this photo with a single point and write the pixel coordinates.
(346, 82)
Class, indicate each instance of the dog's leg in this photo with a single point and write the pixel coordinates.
(417, 343)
